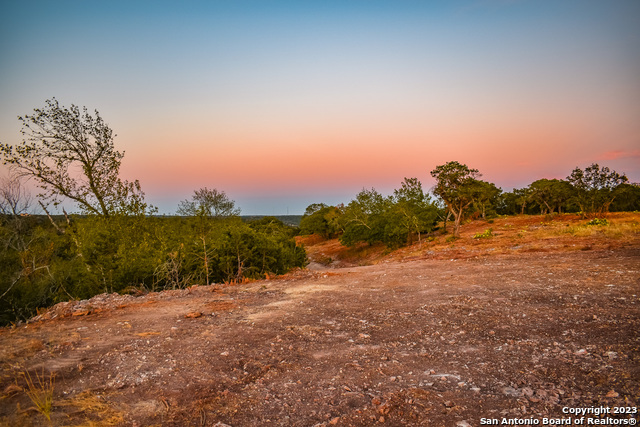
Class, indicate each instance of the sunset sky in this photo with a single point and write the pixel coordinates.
(285, 103)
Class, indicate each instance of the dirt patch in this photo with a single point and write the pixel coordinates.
(418, 338)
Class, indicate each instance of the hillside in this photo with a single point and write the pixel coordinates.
(542, 314)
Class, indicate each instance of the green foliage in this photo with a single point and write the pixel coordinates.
(486, 197)
(114, 246)
(313, 208)
(457, 186)
(265, 246)
(363, 218)
(551, 195)
(322, 220)
(626, 198)
(210, 204)
(208, 207)
(598, 221)
(595, 188)
(372, 218)
(40, 267)
(514, 202)
(414, 211)
(488, 233)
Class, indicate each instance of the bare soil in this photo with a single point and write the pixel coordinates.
(439, 334)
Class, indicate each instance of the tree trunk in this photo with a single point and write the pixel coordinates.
(206, 258)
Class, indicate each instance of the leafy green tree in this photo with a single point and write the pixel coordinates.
(417, 213)
(322, 220)
(457, 186)
(513, 202)
(627, 198)
(550, 194)
(313, 208)
(276, 247)
(236, 247)
(118, 253)
(487, 195)
(363, 218)
(71, 155)
(595, 188)
(208, 203)
(522, 197)
(205, 206)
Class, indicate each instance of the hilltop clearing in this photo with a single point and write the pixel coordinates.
(543, 315)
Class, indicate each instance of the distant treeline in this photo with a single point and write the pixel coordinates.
(292, 220)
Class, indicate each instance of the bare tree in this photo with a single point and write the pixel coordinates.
(15, 200)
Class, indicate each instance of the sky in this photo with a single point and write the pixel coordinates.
(281, 104)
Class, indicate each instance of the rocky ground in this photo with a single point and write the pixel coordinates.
(446, 338)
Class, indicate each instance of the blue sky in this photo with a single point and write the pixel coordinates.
(282, 103)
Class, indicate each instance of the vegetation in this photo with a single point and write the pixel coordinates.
(593, 191)
(372, 218)
(598, 221)
(410, 213)
(115, 244)
(595, 188)
(40, 266)
(60, 142)
(457, 186)
(322, 220)
(40, 392)
(485, 235)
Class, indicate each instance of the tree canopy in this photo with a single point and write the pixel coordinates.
(208, 203)
(457, 186)
(595, 187)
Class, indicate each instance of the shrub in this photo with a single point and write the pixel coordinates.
(487, 234)
(598, 221)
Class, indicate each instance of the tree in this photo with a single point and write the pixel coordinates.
(457, 186)
(321, 219)
(521, 197)
(275, 248)
(550, 194)
(207, 205)
(363, 218)
(595, 188)
(627, 198)
(71, 155)
(417, 212)
(513, 202)
(313, 208)
(486, 196)
(15, 200)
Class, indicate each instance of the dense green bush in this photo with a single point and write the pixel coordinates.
(40, 266)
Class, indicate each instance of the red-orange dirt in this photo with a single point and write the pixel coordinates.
(543, 315)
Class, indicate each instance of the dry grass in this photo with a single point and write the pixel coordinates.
(40, 391)
(94, 410)
(615, 230)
